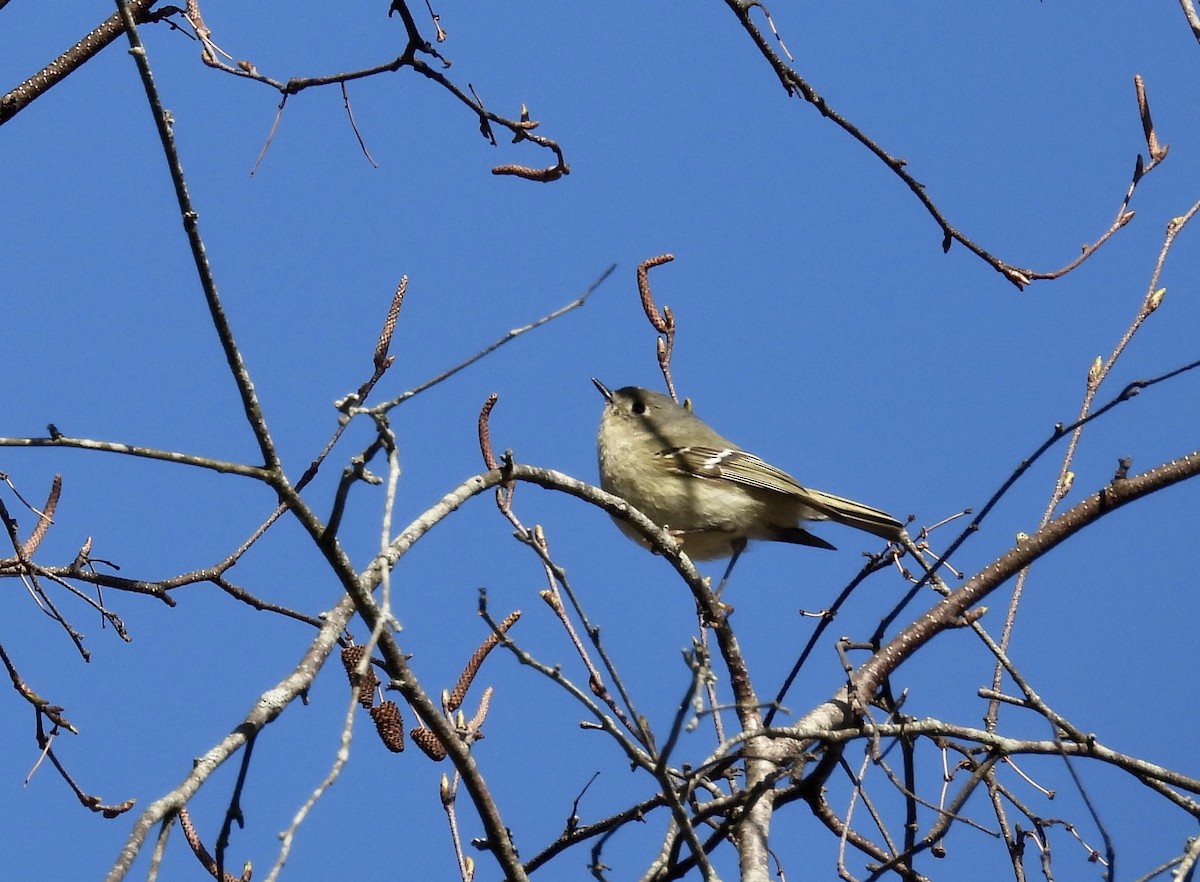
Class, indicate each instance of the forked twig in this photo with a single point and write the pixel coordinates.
(663, 322)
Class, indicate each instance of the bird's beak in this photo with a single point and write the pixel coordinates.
(603, 389)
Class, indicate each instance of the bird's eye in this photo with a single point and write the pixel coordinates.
(639, 406)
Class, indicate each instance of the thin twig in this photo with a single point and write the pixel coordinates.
(487, 350)
(1095, 377)
(190, 218)
(353, 125)
(794, 84)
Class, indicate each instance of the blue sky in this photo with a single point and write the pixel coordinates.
(820, 325)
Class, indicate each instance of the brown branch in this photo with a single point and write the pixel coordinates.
(794, 84)
(251, 407)
(521, 128)
(556, 576)
(1193, 20)
(45, 742)
(293, 685)
(53, 712)
(1096, 375)
(27, 570)
(204, 462)
(948, 612)
(932, 728)
(596, 686)
(70, 61)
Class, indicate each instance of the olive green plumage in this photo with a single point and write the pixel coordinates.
(670, 465)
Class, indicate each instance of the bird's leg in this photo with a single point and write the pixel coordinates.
(739, 545)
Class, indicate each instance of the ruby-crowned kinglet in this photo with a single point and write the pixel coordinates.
(667, 463)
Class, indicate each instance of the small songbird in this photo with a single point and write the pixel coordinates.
(713, 496)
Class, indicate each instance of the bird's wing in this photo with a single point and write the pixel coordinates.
(732, 465)
(746, 468)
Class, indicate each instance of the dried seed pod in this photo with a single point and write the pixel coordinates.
(366, 682)
(455, 698)
(389, 725)
(428, 742)
(351, 656)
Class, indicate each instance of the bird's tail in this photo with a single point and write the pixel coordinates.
(854, 514)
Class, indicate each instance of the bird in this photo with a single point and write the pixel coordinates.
(710, 494)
